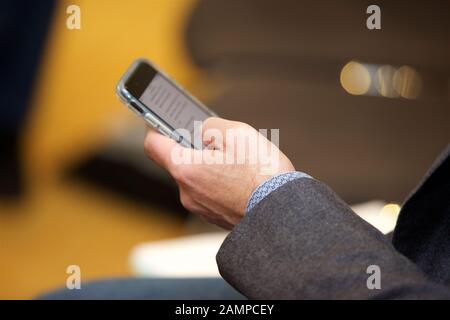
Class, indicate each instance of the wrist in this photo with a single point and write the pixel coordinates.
(271, 184)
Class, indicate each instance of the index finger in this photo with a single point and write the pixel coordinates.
(159, 148)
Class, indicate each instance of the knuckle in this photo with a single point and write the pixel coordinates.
(176, 173)
(186, 201)
(242, 125)
(208, 122)
(184, 174)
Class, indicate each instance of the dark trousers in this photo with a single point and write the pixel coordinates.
(150, 289)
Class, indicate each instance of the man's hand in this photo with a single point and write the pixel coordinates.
(218, 190)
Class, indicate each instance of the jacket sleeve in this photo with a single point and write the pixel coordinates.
(303, 242)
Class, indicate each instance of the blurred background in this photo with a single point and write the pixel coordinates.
(366, 111)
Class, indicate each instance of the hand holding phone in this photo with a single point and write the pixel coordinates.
(161, 102)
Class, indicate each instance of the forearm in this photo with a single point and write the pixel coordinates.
(303, 242)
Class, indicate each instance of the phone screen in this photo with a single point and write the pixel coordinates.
(171, 104)
(165, 99)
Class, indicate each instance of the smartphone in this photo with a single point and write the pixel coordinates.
(161, 102)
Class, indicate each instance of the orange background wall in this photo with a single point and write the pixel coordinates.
(57, 223)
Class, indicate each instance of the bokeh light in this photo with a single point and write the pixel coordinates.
(355, 78)
(407, 82)
(384, 81)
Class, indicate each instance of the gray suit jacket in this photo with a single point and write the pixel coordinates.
(303, 242)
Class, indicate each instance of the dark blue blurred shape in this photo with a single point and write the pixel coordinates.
(23, 28)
